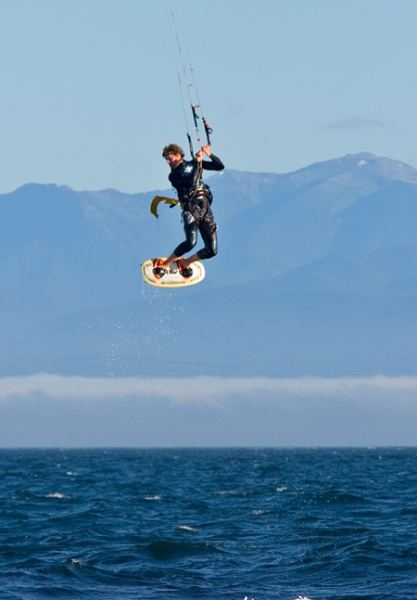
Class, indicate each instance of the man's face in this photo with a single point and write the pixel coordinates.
(173, 159)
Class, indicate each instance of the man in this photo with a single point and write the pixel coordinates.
(195, 199)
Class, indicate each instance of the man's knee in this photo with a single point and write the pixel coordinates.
(207, 253)
(211, 252)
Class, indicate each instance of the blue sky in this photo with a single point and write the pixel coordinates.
(90, 92)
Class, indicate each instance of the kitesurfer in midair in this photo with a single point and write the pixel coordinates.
(195, 198)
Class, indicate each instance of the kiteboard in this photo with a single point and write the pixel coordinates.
(172, 277)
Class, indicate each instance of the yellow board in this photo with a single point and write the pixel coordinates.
(173, 278)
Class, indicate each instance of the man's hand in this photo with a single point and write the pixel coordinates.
(204, 150)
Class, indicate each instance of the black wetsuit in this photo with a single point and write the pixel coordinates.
(195, 198)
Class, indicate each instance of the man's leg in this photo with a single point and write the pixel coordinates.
(188, 244)
(208, 232)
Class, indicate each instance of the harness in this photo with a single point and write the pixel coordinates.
(202, 190)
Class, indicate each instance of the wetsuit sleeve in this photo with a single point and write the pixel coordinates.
(215, 164)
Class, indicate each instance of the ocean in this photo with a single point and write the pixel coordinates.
(281, 524)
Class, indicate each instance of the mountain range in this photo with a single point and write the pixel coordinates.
(316, 275)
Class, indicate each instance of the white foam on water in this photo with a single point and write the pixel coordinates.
(152, 498)
(227, 492)
(58, 495)
(187, 528)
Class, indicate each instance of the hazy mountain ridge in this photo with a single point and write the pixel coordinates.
(306, 217)
(316, 273)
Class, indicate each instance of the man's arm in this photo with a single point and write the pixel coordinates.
(215, 164)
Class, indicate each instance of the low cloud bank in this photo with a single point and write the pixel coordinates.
(195, 389)
(53, 410)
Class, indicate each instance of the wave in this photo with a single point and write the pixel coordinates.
(169, 549)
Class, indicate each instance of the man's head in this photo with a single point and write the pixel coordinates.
(173, 154)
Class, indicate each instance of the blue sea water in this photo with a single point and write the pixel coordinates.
(334, 524)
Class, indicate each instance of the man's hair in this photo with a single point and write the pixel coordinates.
(172, 149)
